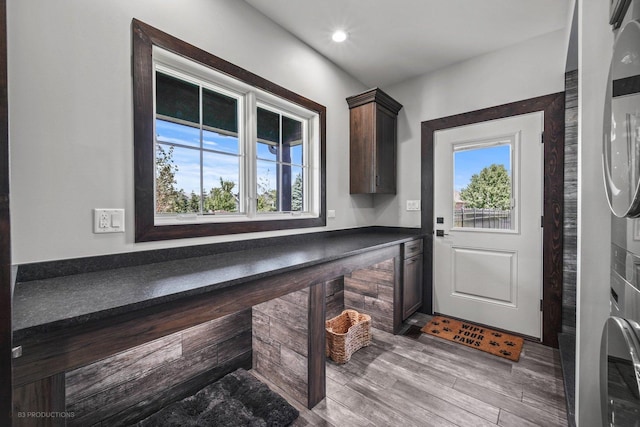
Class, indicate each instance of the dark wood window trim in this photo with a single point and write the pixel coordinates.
(5, 230)
(144, 38)
(553, 108)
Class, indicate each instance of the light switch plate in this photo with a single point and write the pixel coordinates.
(108, 221)
(413, 205)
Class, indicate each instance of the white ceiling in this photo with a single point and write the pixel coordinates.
(393, 40)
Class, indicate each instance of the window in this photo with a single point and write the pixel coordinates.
(280, 162)
(219, 150)
(197, 151)
(483, 196)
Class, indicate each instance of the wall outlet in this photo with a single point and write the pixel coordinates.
(108, 220)
(413, 205)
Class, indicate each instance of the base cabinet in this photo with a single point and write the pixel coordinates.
(411, 278)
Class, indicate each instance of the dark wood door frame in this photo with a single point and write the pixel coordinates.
(5, 229)
(553, 108)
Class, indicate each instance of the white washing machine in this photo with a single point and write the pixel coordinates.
(620, 345)
(620, 348)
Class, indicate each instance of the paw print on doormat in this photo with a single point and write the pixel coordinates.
(446, 329)
(436, 323)
(446, 321)
(505, 352)
(496, 334)
(510, 343)
(494, 343)
(435, 331)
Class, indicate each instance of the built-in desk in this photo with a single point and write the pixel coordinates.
(67, 322)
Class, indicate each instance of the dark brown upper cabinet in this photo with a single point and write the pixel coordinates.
(373, 137)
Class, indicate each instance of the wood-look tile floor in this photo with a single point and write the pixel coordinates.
(399, 381)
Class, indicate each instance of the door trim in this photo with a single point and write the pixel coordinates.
(5, 229)
(553, 198)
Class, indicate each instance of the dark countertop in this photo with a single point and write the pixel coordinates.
(41, 306)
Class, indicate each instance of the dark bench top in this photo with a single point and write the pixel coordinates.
(52, 303)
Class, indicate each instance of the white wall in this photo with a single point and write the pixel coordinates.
(70, 112)
(594, 234)
(532, 68)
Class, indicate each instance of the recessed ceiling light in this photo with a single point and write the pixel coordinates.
(339, 36)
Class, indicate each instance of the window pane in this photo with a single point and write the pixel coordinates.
(175, 133)
(291, 137)
(267, 151)
(291, 129)
(221, 177)
(219, 111)
(268, 135)
(177, 98)
(482, 193)
(219, 142)
(291, 193)
(267, 186)
(268, 126)
(297, 189)
(177, 179)
(296, 154)
(285, 188)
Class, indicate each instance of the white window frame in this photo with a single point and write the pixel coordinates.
(249, 98)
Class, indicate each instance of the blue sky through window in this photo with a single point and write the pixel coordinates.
(187, 160)
(472, 161)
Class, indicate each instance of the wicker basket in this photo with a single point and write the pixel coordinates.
(347, 333)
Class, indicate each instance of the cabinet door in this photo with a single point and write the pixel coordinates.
(385, 151)
(411, 285)
(362, 153)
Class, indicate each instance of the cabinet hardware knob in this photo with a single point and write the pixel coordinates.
(16, 352)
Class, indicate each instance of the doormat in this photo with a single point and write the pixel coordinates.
(474, 336)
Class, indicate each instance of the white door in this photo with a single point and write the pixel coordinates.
(488, 245)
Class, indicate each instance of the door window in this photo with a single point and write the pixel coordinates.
(483, 196)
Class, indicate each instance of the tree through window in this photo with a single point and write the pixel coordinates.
(483, 189)
(197, 151)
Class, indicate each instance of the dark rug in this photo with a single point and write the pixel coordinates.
(413, 332)
(474, 336)
(236, 400)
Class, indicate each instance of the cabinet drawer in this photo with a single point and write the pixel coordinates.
(412, 248)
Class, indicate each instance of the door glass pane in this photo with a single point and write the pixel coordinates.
(483, 190)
